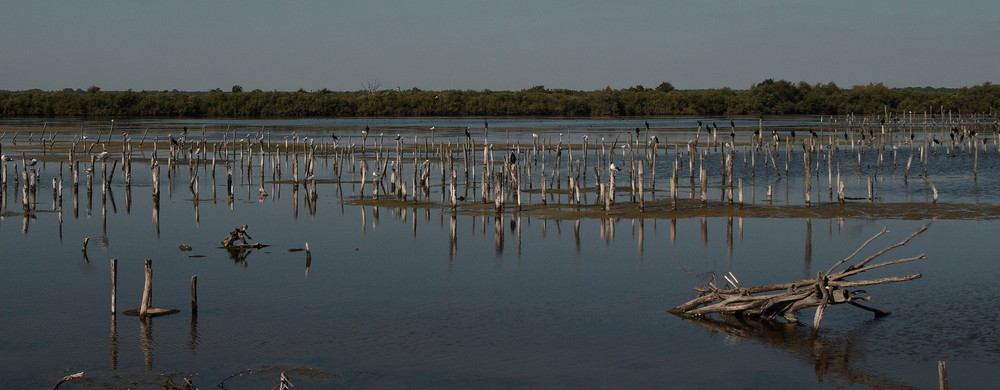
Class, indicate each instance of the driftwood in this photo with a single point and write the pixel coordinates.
(67, 378)
(786, 299)
(236, 244)
(239, 233)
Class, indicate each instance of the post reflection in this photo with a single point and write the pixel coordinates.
(146, 339)
(114, 341)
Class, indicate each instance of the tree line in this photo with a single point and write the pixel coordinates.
(770, 97)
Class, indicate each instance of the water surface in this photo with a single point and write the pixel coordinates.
(426, 296)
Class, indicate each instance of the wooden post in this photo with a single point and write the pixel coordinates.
(642, 204)
(194, 294)
(942, 375)
(933, 188)
(147, 289)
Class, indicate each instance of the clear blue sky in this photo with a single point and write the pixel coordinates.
(490, 44)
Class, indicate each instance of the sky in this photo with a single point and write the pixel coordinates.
(496, 45)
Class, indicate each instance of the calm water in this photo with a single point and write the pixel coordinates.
(391, 298)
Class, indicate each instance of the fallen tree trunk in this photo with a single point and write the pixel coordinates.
(787, 299)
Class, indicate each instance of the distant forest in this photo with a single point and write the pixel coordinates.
(769, 97)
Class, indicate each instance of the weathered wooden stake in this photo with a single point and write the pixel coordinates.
(147, 289)
(942, 375)
(194, 294)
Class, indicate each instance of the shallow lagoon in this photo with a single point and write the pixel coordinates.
(392, 298)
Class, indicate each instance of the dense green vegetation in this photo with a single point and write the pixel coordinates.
(766, 98)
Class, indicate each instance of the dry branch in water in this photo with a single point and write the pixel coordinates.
(786, 299)
(67, 378)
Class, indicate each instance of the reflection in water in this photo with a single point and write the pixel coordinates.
(807, 264)
(825, 354)
(576, 235)
(829, 356)
(240, 253)
(498, 235)
(193, 338)
(114, 341)
(452, 236)
(146, 339)
(156, 215)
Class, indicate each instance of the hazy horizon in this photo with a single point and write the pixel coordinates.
(507, 46)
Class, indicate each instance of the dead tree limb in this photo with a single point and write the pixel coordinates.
(67, 378)
(787, 299)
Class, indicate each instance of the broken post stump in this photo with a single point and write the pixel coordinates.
(146, 308)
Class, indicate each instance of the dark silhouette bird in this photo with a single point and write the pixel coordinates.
(399, 137)
(513, 158)
(793, 134)
(813, 133)
(636, 131)
(467, 133)
(334, 136)
(486, 124)
(647, 125)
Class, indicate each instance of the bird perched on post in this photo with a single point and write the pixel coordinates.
(5, 158)
(103, 155)
(614, 168)
(467, 133)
